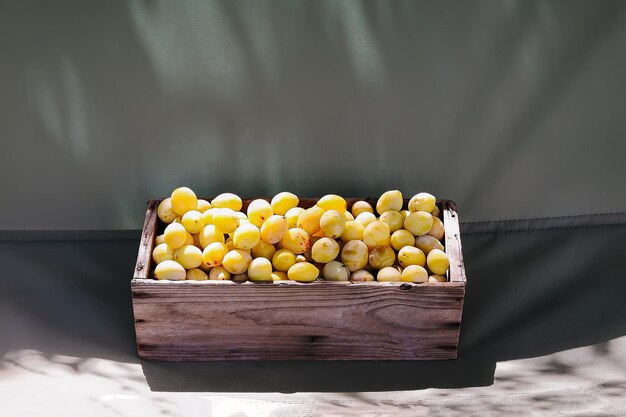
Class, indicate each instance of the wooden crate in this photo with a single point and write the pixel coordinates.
(322, 320)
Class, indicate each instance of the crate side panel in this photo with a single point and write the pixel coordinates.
(272, 322)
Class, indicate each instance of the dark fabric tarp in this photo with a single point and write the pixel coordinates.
(514, 109)
(529, 293)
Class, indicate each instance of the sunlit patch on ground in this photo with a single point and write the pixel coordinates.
(589, 381)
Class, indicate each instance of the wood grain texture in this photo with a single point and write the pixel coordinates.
(453, 247)
(146, 245)
(323, 320)
(179, 321)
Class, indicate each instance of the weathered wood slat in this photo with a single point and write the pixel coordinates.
(146, 245)
(315, 321)
(452, 237)
(323, 320)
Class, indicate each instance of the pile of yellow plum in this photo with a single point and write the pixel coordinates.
(277, 240)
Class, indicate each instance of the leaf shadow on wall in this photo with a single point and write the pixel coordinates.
(109, 104)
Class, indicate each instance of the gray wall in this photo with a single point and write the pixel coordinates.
(512, 108)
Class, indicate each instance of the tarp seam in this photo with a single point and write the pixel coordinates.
(538, 229)
(614, 213)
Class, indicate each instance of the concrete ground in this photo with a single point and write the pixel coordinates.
(588, 381)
